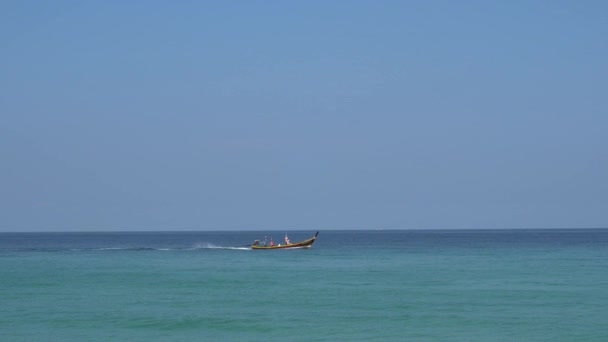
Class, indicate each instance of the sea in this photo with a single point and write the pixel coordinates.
(359, 285)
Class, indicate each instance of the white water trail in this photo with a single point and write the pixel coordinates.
(207, 245)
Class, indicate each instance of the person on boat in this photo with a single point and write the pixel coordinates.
(271, 243)
(287, 239)
(256, 242)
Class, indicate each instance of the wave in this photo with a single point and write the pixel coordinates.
(129, 249)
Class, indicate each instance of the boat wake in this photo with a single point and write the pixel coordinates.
(198, 246)
(212, 246)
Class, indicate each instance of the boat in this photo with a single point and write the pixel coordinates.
(301, 244)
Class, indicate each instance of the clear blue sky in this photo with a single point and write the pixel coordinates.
(198, 115)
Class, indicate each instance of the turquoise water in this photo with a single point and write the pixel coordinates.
(352, 285)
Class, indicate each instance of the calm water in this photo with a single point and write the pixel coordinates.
(352, 286)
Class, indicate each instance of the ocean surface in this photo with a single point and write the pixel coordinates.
(456, 285)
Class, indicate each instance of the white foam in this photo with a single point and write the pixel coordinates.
(212, 246)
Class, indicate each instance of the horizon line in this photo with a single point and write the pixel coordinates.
(299, 230)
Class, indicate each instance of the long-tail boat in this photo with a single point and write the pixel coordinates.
(302, 244)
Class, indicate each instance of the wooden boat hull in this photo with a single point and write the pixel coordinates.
(302, 244)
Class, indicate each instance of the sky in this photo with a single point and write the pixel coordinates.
(303, 115)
